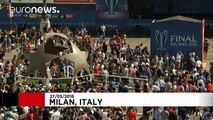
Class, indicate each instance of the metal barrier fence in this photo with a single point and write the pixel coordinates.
(68, 71)
(102, 80)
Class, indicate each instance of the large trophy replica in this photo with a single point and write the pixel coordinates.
(46, 52)
(111, 5)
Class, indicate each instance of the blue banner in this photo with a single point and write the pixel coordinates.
(172, 36)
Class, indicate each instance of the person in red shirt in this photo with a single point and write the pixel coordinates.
(185, 80)
(36, 114)
(131, 114)
(170, 109)
(119, 41)
(96, 70)
(30, 115)
(209, 87)
(180, 87)
(192, 87)
(85, 39)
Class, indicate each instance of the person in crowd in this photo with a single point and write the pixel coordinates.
(205, 113)
(211, 71)
(56, 114)
(157, 113)
(206, 47)
(131, 114)
(173, 115)
(146, 113)
(164, 115)
(197, 115)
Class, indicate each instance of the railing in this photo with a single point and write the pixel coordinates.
(68, 71)
(102, 80)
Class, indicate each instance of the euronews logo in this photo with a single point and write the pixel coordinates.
(34, 10)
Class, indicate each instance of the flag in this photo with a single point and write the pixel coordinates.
(32, 15)
(25, 15)
(54, 16)
(49, 15)
(38, 15)
(68, 16)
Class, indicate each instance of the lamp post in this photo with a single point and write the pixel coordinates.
(44, 15)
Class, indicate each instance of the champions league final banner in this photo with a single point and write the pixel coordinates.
(175, 34)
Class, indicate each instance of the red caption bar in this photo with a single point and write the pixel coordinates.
(31, 99)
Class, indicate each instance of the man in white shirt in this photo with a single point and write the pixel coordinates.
(168, 86)
(195, 75)
(164, 115)
(1, 114)
(126, 71)
(56, 114)
(178, 57)
(103, 28)
(160, 83)
(198, 63)
(104, 115)
(1, 64)
(155, 88)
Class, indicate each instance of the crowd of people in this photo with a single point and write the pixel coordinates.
(113, 56)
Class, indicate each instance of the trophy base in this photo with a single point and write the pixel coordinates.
(112, 13)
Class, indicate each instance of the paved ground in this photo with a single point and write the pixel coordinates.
(209, 57)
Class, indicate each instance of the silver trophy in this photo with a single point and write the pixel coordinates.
(111, 5)
(161, 38)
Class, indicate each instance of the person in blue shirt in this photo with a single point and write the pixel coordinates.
(147, 72)
(112, 84)
(157, 112)
(205, 113)
(61, 68)
(201, 88)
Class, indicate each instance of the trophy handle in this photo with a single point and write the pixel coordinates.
(156, 36)
(107, 4)
(116, 3)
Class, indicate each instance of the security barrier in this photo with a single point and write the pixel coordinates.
(100, 79)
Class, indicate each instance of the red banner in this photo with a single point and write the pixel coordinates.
(76, 1)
